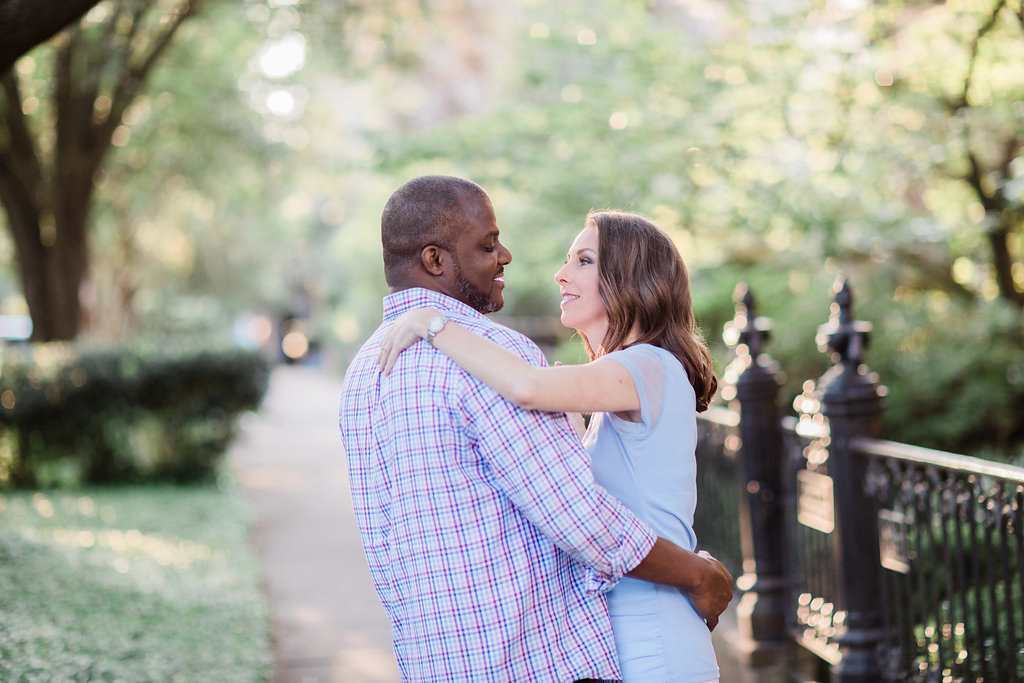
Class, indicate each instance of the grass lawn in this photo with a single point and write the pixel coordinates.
(143, 583)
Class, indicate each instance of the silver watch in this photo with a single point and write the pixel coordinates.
(434, 326)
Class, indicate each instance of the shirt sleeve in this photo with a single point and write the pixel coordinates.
(538, 462)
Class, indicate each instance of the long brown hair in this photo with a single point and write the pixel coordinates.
(645, 287)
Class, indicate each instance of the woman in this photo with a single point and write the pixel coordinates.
(626, 291)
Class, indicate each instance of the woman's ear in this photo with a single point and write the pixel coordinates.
(433, 258)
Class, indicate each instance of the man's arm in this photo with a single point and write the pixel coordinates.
(705, 579)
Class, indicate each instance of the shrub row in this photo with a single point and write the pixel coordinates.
(71, 418)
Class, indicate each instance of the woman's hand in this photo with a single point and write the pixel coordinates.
(407, 329)
(578, 423)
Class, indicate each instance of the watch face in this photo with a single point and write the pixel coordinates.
(436, 324)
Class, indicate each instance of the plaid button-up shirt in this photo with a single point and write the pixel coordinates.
(488, 540)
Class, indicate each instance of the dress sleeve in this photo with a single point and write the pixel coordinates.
(647, 368)
(537, 460)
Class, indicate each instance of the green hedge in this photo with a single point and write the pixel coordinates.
(69, 418)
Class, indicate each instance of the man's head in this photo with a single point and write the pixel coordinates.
(440, 233)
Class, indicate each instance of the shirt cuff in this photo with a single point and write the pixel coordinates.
(635, 547)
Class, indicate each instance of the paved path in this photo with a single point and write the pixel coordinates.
(328, 625)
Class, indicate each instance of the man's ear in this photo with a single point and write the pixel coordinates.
(434, 259)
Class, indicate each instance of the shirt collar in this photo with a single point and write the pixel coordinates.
(397, 303)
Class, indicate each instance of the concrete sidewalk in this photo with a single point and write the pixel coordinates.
(328, 624)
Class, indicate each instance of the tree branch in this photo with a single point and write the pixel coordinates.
(998, 231)
(27, 23)
(974, 48)
(974, 179)
(132, 78)
(185, 10)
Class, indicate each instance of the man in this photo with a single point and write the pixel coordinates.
(488, 540)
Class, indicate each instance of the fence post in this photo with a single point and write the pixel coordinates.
(851, 400)
(752, 381)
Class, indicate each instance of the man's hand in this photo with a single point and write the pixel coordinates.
(712, 595)
(705, 579)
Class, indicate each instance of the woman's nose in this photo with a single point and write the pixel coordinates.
(560, 275)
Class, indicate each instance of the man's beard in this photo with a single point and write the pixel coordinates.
(473, 296)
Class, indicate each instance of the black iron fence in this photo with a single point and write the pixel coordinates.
(859, 560)
(952, 563)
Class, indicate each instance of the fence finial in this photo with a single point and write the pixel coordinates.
(747, 328)
(845, 337)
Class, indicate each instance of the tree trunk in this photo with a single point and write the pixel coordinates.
(48, 197)
(50, 268)
(47, 214)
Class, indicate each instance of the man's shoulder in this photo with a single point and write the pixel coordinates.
(362, 367)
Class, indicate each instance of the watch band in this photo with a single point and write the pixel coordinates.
(434, 326)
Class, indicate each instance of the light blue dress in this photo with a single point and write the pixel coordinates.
(651, 467)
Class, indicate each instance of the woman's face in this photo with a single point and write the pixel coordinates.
(582, 306)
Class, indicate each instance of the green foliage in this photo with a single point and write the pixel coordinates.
(955, 370)
(780, 145)
(193, 253)
(151, 583)
(121, 415)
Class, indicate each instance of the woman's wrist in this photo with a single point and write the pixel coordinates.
(423, 319)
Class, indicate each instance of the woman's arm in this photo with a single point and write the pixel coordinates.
(579, 424)
(603, 385)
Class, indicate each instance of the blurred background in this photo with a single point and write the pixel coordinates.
(214, 171)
